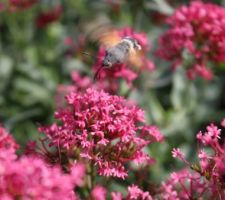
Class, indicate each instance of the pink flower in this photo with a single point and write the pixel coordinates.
(223, 123)
(31, 178)
(211, 136)
(176, 153)
(77, 172)
(195, 30)
(134, 192)
(98, 193)
(107, 130)
(116, 196)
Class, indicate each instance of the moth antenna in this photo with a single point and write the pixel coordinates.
(87, 54)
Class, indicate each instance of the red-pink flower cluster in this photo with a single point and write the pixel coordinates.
(138, 61)
(29, 177)
(104, 129)
(45, 18)
(196, 38)
(206, 181)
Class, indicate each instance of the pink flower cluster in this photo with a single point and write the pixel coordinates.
(197, 30)
(31, 178)
(206, 181)
(138, 61)
(104, 129)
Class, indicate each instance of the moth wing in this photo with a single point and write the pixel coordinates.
(134, 58)
(100, 31)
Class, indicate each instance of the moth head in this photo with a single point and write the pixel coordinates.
(135, 44)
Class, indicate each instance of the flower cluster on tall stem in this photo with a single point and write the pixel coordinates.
(195, 39)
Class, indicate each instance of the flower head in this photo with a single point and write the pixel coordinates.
(197, 34)
(105, 129)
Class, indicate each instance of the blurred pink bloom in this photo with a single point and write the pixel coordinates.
(197, 30)
(77, 173)
(45, 18)
(98, 193)
(223, 123)
(31, 178)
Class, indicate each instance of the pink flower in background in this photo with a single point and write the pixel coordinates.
(98, 193)
(198, 31)
(31, 178)
(105, 129)
(223, 123)
(50, 16)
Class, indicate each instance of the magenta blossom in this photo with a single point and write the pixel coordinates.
(30, 178)
(98, 193)
(106, 130)
(197, 34)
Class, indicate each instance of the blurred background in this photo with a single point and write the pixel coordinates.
(42, 44)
